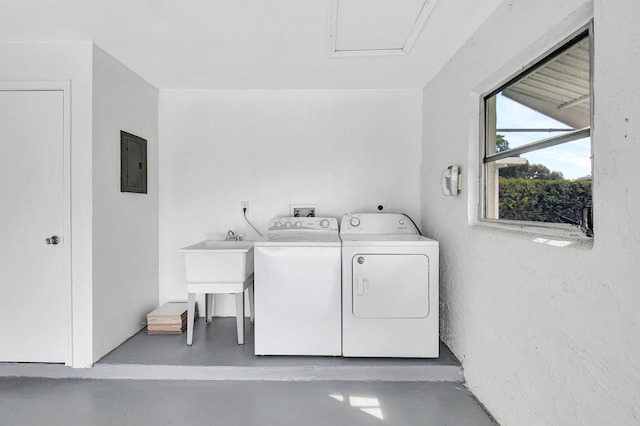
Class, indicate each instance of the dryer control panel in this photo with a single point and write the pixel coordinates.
(377, 223)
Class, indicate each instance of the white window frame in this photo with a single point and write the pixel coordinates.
(489, 198)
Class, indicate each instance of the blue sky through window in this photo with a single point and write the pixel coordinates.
(573, 159)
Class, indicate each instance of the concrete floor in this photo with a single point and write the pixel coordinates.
(215, 344)
(216, 355)
(31, 401)
(162, 381)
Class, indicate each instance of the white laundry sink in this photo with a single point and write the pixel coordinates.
(218, 266)
(218, 261)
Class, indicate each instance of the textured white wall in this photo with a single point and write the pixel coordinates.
(125, 225)
(546, 335)
(345, 151)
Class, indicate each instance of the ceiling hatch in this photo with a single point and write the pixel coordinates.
(376, 27)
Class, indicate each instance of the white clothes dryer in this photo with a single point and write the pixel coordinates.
(389, 288)
(297, 288)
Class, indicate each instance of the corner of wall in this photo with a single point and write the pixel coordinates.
(125, 225)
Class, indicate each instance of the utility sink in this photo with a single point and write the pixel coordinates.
(218, 261)
(216, 266)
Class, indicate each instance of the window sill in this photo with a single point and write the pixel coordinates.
(555, 235)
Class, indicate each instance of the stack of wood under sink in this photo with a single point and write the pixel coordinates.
(170, 318)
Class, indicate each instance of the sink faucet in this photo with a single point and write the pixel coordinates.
(230, 235)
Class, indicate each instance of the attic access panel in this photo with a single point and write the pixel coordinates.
(376, 27)
(133, 163)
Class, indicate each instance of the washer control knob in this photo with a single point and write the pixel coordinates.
(354, 221)
(287, 224)
(277, 224)
(324, 223)
(401, 221)
(298, 224)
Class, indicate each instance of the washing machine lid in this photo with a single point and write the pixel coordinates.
(300, 239)
(387, 240)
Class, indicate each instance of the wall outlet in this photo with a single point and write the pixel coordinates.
(244, 205)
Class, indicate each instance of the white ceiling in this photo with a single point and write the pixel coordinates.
(240, 44)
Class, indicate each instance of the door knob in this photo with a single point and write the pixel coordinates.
(53, 240)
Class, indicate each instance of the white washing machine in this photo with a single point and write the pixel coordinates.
(389, 288)
(297, 288)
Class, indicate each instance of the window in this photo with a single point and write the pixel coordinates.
(537, 141)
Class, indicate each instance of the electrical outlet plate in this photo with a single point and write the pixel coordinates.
(302, 210)
(244, 205)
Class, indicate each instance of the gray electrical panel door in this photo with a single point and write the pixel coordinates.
(133, 163)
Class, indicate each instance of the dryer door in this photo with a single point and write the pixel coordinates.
(390, 285)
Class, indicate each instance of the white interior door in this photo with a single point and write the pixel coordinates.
(34, 277)
(390, 286)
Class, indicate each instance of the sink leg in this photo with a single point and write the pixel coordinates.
(209, 306)
(251, 307)
(191, 308)
(240, 317)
